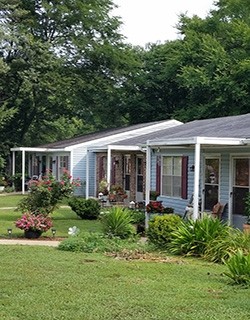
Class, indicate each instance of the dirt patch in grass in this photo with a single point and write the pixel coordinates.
(144, 256)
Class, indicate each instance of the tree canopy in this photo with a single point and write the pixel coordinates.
(64, 67)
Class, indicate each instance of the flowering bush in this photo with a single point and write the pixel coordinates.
(34, 222)
(154, 207)
(46, 193)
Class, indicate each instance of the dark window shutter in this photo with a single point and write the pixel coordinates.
(158, 174)
(113, 171)
(184, 177)
(101, 173)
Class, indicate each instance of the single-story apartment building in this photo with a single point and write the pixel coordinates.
(207, 159)
(115, 155)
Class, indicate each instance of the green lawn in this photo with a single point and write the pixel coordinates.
(9, 200)
(44, 283)
(63, 218)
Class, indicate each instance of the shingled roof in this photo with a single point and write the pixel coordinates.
(107, 133)
(223, 127)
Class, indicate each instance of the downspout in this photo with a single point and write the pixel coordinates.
(87, 175)
(148, 178)
(23, 172)
(109, 167)
(196, 179)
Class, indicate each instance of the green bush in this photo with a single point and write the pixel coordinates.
(97, 242)
(88, 209)
(160, 229)
(239, 268)
(222, 247)
(193, 237)
(117, 222)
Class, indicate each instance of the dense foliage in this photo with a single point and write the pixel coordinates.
(160, 229)
(44, 195)
(64, 67)
(85, 208)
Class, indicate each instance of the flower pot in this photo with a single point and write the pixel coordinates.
(32, 234)
(246, 228)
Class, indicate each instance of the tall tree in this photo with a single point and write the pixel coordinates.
(65, 61)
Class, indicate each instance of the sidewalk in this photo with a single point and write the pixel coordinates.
(49, 243)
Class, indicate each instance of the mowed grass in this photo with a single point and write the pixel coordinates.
(45, 283)
(63, 219)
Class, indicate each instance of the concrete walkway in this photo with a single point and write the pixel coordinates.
(49, 243)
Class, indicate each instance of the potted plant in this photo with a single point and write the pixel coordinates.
(246, 225)
(2, 184)
(33, 224)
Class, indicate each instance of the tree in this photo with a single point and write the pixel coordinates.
(65, 64)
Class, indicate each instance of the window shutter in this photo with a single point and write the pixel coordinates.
(158, 174)
(101, 175)
(184, 177)
(113, 171)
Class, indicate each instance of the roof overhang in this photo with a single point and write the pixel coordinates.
(27, 149)
(115, 147)
(196, 140)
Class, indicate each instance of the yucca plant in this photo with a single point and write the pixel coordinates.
(117, 222)
(221, 248)
(192, 237)
(239, 268)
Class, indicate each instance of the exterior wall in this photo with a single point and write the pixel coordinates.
(178, 204)
(118, 168)
(225, 183)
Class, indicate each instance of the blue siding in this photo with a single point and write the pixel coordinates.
(225, 174)
(177, 203)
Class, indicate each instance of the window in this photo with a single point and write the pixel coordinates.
(64, 164)
(172, 176)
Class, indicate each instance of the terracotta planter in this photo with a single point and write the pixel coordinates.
(31, 234)
(246, 228)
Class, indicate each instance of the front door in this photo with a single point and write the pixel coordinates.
(212, 179)
(241, 184)
(139, 178)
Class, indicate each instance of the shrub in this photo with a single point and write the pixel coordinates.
(239, 268)
(96, 242)
(161, 228)
(88, 209)
(221, 248)
(193, 237)
(44, 195)
(118, 223)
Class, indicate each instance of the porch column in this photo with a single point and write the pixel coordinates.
(13, 165)
(148, 180)
(196, 179)
(87, 175)
(109, 167)
(23, 171)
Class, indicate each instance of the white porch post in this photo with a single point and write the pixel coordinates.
(13, 165)
(148, 179)
(109, 167)
(87, 175)
(23, 171)
(196, 179)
